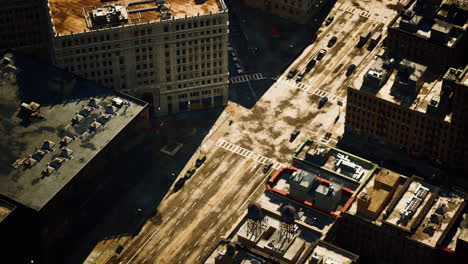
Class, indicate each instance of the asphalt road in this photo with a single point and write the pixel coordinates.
(190, 220)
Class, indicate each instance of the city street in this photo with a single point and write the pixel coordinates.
(245, 137)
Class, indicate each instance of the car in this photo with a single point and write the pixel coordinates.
(313, 38)
(240, 71)
(310, 65)
(300, 76)
(200, 160)
(291, 73)
(238, 66)
(267, 167)
(179, 184)
(234, 58)
(294, 135)
(332, 41)
(190, 172)
(329, 20)
(350, 69)
(230, 48)
(321, 54)
(322, 102)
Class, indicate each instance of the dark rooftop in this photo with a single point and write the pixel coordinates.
(37, 105)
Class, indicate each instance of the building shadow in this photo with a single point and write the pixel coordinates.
(264, 44)
(142, 180)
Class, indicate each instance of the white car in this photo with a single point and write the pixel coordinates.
(240, 71)
(238, 66)
(234, 58)
(230, 48)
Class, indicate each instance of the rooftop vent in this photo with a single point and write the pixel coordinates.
(117, 102)
(103, 118)
(66, 153)
(56, 163)
(94, 126)
(30, 162)
(111, 110)
(77, 118)
(165, 16)
(48, 145)
(48, 171)
(38, 155)
(109, 15)
(85, 111)
(65, 141)
(93, 102)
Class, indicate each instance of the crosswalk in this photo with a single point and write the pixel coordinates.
(354, 10)
(304, 87)
(248, 154)
(245, 78)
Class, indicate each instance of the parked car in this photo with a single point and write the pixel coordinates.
(313, 38)
(294, 135)
(310, 65)
(179, 184)
(329, 20)
(350, 69)
(235, 59)
(291, 73)
(321, 54)
(332, 41)
(190, 172)
(300, 76)
(200, 160)
(267, 167)
(322, 102)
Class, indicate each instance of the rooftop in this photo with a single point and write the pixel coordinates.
(378, 192)
(439, 218)
(412, 204)
(241, 256)
(273, 240)
(68, 15)
(418, 91)
(5, 209)
(333, 201)
(331, 254)
(446, 27)
(335, 161)
(42, 148)
(313, 219)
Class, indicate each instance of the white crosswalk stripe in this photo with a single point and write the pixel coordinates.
(305, 87)
(245, 78)
(248, 154)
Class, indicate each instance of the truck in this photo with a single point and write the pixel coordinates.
(363, 38)
(374, 40)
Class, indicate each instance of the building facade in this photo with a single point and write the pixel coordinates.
(299, 11)
(426, 119)
(428, 28)
(24, 27)
(175, 60)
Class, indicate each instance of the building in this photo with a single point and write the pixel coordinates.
(172, 54)
(277, 230)
(60, 138)
(403, 104)
(431, 33)
(395, 219)
(24, 27)
(299, 11)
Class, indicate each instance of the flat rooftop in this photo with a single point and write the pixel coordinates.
(331, 254)
(430, 89)
(379, 193)
(24, 154)
(67, 15)
(438, 219)
(283, 185)
(269, 241)
(443, 29)
(336, 161)
(5, 209)
(242, 256)
(411, 204)
(313, 219)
